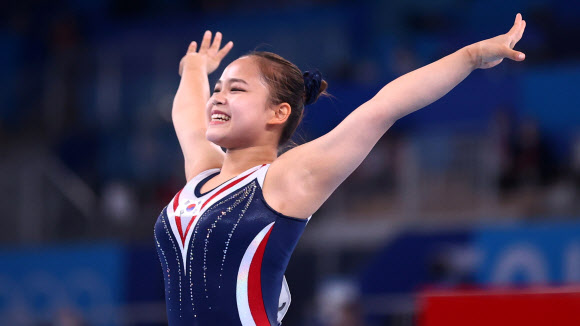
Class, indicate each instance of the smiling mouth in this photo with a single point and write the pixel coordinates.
(218, 118)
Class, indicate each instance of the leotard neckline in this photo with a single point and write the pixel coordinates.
(204, 181)
(197, 190)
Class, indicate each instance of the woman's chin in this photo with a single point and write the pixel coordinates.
(219, 140)
(230, 139)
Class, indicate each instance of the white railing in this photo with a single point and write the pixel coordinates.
(38, 191)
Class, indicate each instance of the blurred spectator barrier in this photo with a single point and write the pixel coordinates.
(546, 253)
(40, 285)
(81, 284)
(515, 255)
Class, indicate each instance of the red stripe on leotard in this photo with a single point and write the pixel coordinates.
(255, 299)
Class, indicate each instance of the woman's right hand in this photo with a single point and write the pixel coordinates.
(209, 55)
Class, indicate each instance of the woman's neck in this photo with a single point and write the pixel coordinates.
(239, 160)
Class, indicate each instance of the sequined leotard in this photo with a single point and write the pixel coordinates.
(224, 253)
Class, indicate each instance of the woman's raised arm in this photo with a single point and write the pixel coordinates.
(312, 171)
(188, 113)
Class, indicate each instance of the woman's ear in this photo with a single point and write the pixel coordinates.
(281, 112)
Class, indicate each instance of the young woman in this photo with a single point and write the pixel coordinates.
(225, 239)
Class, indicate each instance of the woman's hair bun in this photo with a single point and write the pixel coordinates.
(314, 85)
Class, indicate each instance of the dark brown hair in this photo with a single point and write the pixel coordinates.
(286, 84)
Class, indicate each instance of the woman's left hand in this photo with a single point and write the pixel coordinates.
(489, 53)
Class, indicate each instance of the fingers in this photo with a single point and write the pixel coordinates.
(517, 35)
(518, 18)
(192, 47)
(516, 32)
(515, 55)
(207, 44)
(206, 41)
(217, 41)
(224, 51)
(515, 25)
(521, 31)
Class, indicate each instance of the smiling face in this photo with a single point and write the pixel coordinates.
(238, 110)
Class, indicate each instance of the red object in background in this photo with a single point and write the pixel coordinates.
(535, 306)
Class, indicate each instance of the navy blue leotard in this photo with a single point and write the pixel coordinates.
(224, 253)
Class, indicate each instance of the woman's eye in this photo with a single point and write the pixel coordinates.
(237, 89)
(216, 90)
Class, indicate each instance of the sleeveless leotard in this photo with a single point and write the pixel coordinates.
(224, 253)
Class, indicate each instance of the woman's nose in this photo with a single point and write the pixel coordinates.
(218, 99)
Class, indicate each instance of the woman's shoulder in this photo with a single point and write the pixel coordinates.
(281, 191)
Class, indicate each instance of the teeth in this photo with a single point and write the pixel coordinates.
(221, 117)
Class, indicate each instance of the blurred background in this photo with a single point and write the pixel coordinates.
(480, 189)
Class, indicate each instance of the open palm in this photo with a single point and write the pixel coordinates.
(209, 55)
